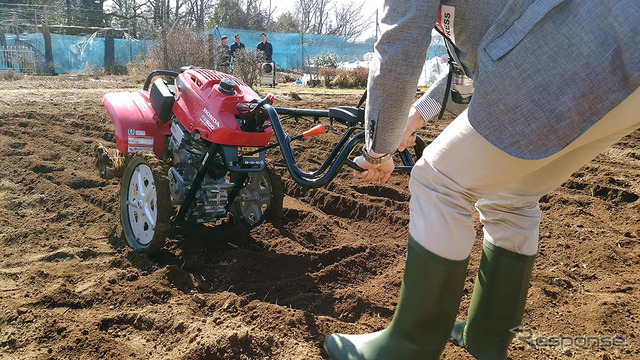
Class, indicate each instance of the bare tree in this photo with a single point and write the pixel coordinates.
(305, 9)
(198, 11)
(321, 16)
(268, 12)
(127, 14)
(256, 18)
(348, 20)
(326, 17)
(183, 47)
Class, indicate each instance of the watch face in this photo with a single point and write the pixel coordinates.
(381, 159)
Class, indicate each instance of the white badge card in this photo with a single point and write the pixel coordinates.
(445, 20)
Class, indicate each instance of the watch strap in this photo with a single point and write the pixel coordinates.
(374, 160)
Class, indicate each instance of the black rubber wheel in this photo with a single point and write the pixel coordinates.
(145, 202)
(260, 199)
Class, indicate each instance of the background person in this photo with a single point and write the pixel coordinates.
(224, 55)
(236, 46)
(265, 47)
(534, 119)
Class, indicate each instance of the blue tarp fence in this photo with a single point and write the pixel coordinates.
(293, 50)
(74, 54)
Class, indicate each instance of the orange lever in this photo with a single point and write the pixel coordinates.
(316, 130)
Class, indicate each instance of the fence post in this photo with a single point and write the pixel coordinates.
(50, 66)
(109, 52)
(212, 51)
(302, 47)
(3, 46)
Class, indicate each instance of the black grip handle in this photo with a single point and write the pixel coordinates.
(353, 165)
(155, 73)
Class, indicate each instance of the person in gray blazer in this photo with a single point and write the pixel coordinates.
(556, 82)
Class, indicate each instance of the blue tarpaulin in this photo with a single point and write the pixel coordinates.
(72, 54)
(75, 54)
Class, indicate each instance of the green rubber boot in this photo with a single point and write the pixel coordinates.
(429, 299)
(497, 303)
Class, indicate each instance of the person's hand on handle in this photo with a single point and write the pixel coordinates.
(381, 172)
(414, 122)
(374, 172)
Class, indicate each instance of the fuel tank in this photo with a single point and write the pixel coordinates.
(204, 105)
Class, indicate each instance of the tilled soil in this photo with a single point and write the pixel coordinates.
(70, 288)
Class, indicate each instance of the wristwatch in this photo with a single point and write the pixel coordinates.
(374, 160)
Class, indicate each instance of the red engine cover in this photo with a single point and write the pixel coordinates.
(201, 106)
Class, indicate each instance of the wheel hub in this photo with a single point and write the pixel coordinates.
(141, 200)
(254, 198)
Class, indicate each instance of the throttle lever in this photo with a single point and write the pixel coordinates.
(266, 100)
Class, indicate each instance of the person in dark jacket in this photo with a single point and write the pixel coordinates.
(237, 45)
(265, 47)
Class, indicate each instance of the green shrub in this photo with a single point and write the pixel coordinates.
(325, 60)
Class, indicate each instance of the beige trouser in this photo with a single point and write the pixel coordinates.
(461, 168)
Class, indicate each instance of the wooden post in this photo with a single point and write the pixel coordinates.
(50, 66)
(109, 52)
(3, 47)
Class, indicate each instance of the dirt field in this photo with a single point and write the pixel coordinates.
(71, 289)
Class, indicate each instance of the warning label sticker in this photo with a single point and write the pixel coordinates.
(140, 143)
(245, 149)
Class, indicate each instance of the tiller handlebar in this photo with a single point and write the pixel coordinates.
(337, 157)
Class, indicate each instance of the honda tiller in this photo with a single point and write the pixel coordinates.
(195, 141)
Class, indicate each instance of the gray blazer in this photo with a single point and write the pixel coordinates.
(544, 71)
